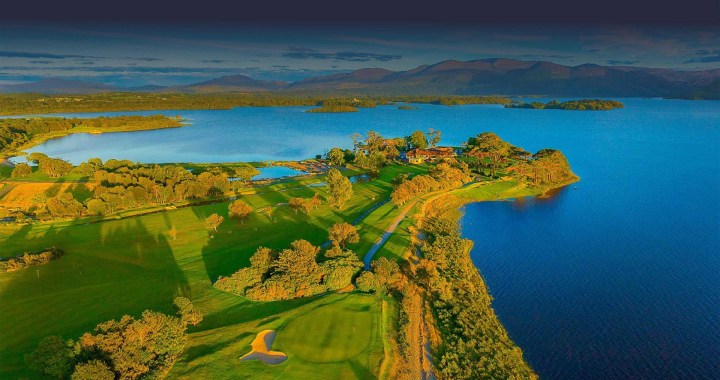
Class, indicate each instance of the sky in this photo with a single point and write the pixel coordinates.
(179, 45)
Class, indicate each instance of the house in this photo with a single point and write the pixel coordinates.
(418, 156)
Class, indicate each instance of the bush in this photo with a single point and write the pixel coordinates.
(21, 170)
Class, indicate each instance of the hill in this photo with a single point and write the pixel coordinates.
(494, 76)
(500, 76)
(231, 83)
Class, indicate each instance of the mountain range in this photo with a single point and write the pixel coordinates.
(497, 76)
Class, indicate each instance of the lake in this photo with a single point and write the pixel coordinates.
(619, 278)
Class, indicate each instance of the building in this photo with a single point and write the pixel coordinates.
(418, 156)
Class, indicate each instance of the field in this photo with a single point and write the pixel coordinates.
(22, 195)
(125, 266)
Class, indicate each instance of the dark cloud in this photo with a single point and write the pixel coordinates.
(705, 56)
(41, 62)
(351, 56)
(213, 61)
(144, 59)
(707, 52)
(708, 59)
(25, 54)
(301, 49)
(547, 56)
(86, 62)
(593, 50)
(616, 62)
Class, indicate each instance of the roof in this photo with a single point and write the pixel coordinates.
(432, 152)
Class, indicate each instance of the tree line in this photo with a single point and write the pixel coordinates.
(297, 271)
(571, 105)
(17, 132)
(29, 259)
(22, 104)
(445, 175)
(474, 343)
(545, 168)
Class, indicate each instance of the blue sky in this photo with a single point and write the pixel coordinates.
(166, 54)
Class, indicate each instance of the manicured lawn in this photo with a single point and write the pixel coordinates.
(336, 332)
(317, 347)
(125, 266)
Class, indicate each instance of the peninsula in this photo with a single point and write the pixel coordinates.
(285, 255)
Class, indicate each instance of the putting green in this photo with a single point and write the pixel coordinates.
(336, 332)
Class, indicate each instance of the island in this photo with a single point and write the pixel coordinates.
(333, 109)
(338, 269)
(407, 108)
(570, 105)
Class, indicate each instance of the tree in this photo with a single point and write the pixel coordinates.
(343, 234)
(296, 203)
(336, 156)
(64, 205)
(21, 170)
(213, 222)
(433, 137)
(312, 203)
(36, 157)
(491, 146)
(357, 141)
(93, 370)
(96, 207)
(240, 210)
(52, 357)
(142, 348)
(245, 172)
(54, 167)
(366, 282)
(418, 139)
(339, 187)
(186, 311)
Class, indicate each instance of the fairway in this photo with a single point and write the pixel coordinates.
(124, 266)
(336, 332)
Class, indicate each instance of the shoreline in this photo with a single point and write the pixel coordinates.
(44, 137)
(451, 205)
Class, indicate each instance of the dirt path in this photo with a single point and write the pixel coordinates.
(386, 235)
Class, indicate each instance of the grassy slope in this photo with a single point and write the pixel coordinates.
(125, 266)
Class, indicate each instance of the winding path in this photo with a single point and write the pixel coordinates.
(386, 235)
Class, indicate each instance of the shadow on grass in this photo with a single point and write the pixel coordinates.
(109, 269)
(199, 351)
(54, 190)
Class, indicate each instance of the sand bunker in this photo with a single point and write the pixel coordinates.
(261, 349)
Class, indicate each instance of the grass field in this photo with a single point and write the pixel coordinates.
(337, 336)
(125, 266)
(24, 194)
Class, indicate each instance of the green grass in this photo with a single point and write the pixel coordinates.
(125, 266)
(337, 336)
(334, 333)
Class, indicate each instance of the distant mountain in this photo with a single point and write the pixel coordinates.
(500, 76)
(496, 76)
(58, 86)
(232, 83)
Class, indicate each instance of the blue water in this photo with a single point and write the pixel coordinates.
(277, 172)
(619, 278)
